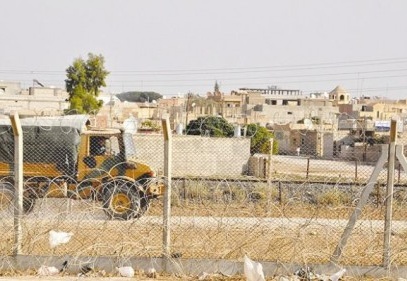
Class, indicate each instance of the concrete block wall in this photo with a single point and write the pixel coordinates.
(196, 155)
(361, 153)
(258, 166)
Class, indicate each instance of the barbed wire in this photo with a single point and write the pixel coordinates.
(293, 214)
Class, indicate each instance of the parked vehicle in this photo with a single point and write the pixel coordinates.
(66, 157)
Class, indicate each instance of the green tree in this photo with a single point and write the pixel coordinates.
(95, 73)
(260, 139)
(76, 76)
(213, 125)
(83, 101)
(83, 83)
(139, 96)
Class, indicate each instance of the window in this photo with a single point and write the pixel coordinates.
(97, 145)
(101, 145)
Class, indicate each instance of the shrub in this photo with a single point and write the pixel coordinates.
(333, 197)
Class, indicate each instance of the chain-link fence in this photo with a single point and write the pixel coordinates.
(106, 187)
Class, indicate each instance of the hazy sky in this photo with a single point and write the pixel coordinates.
(177, 46)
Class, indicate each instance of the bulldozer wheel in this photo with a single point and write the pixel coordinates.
(7, 198)
(30, 197)
(121, 200)
(144, 206)
(6, 195)
(28, 205)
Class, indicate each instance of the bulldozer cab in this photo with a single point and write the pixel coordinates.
(97, 145)
(99, 152)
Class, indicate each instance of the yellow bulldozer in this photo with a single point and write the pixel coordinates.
(66, 157)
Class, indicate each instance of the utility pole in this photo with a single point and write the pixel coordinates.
(189, 95)
(110, 111)
(148, 103)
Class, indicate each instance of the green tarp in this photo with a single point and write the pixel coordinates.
(45, 140)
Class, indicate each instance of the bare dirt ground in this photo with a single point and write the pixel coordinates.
(306, 241)
(112, 278)
(162, 278)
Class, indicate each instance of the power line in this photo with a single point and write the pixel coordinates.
(239, 77)
(269, 77)
(274, 68)
(167, 83)
(226, 70)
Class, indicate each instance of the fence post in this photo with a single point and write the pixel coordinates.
(307, 168)
(398, 175)
(167, 195)
(356, 169)
(361, 203)
(378, 195)
(18, 181)
(280, 193)
(389, 194)
(269, 174)
(184, 188)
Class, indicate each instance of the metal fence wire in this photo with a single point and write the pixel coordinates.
(292, 205)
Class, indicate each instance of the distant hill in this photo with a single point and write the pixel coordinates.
(138, 96)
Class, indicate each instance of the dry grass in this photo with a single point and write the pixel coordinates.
(215, 277)
(238, 226)
(303, 242)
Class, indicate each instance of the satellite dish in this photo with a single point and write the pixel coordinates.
(308, 123)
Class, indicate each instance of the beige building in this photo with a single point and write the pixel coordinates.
(339, 96)
(35, 101)
(301, 139)
(382, 110)
(116, 111)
